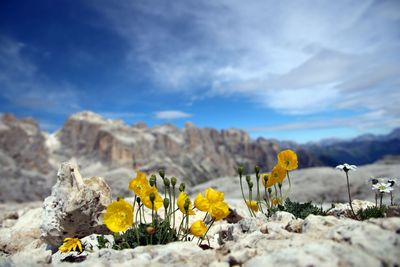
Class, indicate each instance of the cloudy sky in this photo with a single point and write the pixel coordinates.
(300, 70)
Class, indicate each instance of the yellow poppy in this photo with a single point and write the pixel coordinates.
(181, 203)
(252, 205)
(278, 174)
(70, 244)
(214, 196)
(139, 184)
(119, 216)
(219, 210)
(198, 228)
(287, 159)
(201, 203)
(145, 197)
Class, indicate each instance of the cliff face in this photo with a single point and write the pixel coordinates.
(29, 158)
(24, 160)
(193, 153)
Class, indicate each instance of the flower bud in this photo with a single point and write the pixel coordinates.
(166, 203)
(186, 206)
(152, 197)
(153, 180)
(265, 180)
(250, 185)
(280, 185)
(161, 172)
(173, 181)
(150, 230)
(270, 190)
(240, 170)
(257, 169)
(166, 182)
(182, 187)
(248, 178)
(138, 200)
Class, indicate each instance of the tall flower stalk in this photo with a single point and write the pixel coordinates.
(346, 168)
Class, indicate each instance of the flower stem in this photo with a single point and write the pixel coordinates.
(201, 240)
(350, 202)
(376, 199)
(244, 199)
(391, 198)
(250, 199)
(380, 203)
(259, 194)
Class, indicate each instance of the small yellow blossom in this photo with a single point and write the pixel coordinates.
(181, 203)
(119, 216)
(278, 174)
(70, 244)
(145, 197)
(198, 228)
(219, 210)
(214, 196)
(139, 184)
(276, 201)
(287, 159)
(201, 203)
(252, 205)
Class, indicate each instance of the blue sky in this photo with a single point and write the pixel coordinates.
(299, 70)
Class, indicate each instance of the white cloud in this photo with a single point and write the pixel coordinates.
(171, 115)
(295, 57)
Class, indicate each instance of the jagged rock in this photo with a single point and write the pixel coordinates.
(74, 207)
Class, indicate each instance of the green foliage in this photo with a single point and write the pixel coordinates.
(372, 212)
(299, 210)
(142, 235)
(102, 241)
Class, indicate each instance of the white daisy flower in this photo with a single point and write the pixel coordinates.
(382, 187)
(346, 167)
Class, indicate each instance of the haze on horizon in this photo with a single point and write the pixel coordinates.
(301, 70)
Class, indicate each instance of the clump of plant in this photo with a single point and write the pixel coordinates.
(128, 220)
(299, 210)
(382, 186)
(269, 192)
(372, 212)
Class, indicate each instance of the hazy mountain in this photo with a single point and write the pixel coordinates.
(361, 150)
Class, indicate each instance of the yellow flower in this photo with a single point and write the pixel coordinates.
(270, 182)
(119, 216)
(139, 184)
(278, 174)
(181, 203)
(252, 205)
(219, 210)
(276, 201)
(201, 203)
(70, 244)
(287, 159)
(145, 197)
(214, 196)
(198, 228)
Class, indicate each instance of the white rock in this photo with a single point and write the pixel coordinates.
(74, 207)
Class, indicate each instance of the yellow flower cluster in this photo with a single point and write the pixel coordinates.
(287, 161)
(119, 214)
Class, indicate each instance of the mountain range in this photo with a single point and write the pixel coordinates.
(29, 158)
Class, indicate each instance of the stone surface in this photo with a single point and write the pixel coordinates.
(281, 240)
(74, 207)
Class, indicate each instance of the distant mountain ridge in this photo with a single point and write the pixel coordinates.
(29, 158)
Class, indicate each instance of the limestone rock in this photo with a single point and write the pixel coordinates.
(74, 207)
(343, 209)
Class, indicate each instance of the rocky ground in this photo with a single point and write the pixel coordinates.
(281, 240)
